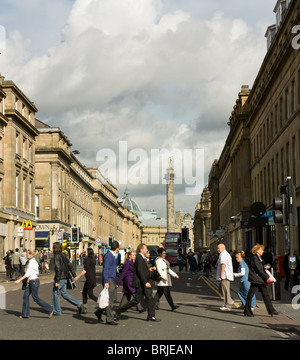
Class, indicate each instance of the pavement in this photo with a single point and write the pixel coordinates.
(287, 323)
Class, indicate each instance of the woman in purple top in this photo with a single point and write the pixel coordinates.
(126, 276)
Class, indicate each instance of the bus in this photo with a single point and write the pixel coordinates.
(172, 248)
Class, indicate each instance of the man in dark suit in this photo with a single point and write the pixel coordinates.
(142, 284)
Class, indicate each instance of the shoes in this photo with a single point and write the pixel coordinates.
(84, 309)
(249, 315)
(275, 313)
(111, 323)
(175, 307)
(225, 308)
(98, 317)
(190, 279)
(50, 315)
(23, 317)
(153, 318)
(117, 316)
(81, 310)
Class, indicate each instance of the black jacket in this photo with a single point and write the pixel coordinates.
(141, 272)
(63, 268)
(257, 274)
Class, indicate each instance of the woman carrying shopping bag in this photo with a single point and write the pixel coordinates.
(259, 279)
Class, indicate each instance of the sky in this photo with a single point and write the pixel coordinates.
(139, 75)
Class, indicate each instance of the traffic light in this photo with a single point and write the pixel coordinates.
(75, 234)
(281, 215)
(185, 235)
(179, 243)
(110, 240)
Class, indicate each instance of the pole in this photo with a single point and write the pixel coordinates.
(291, 231)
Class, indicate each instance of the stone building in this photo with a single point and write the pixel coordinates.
(68, 194)
(17, 167)
(263, 145)
(202, 221)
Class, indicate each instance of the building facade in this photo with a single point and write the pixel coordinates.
(263, 145)
(202, 221)
(69, 194)
(17, 168)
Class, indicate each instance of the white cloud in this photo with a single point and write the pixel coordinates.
(127, 71)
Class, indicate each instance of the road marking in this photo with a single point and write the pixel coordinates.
(215, 288)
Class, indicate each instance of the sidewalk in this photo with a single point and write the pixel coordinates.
(282, 305)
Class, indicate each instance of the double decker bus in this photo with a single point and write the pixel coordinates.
(173, 246)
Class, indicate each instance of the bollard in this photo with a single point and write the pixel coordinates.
(2, 298)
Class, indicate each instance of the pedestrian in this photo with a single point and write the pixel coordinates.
(108, 277)
(181, 260)
(243, 274)
(62, 268)
(16, 265)
(23, 261)
(164, 285)
(126, 277)
(207, 265)
(225, 276)
(7, 260)
(142, 284)
(89, 271)
(193, 266)
(258, 278)
(33, 283)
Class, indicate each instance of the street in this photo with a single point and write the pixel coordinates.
(197, 318)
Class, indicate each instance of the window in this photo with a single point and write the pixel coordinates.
(17, 190)
(37, 206)
(287, 105)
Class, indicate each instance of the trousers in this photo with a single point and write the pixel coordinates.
(33, 289)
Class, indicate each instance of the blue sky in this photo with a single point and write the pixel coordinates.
(155, 73)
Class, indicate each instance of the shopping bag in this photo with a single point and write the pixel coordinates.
(271, 278)
(103, 299)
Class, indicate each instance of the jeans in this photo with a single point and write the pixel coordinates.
(33, 288)
(62, 288)
(194, 272)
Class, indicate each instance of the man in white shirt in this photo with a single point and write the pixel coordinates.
(225, 275)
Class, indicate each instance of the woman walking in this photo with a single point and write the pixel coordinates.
(89, 270)
(243, 274)
(127, 276)
(258, 278)
(33, 283)
(62, 269)
(164, 285)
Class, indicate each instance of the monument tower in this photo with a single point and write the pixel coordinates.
(169, 177)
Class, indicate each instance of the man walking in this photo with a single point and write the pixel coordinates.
(225, 275)
(142, 284)
(109, 275)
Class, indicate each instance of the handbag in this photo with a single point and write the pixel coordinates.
(271, 279)
(103, 299)
(70, 280)
(155, 275)
(71, 283)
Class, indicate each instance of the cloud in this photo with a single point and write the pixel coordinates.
(128, 71)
